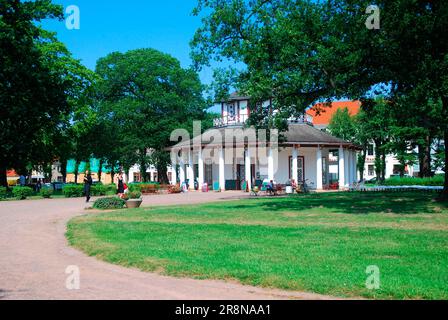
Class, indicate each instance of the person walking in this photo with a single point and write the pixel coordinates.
(120, 184)
(87, 185)
(39, 185)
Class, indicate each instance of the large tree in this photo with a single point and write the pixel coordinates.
(300, 51)
(40, 83)
(147, 94)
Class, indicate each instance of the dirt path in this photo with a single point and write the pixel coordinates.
(34, 256)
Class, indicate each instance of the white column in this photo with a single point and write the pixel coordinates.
(355, 166)
(341, 168)
(247, 168)
(182, 169)
(319, 184)
(174, 173)
(295, 155)
(190, 172)
(271, 164)
(347, 161)
(200, 169)
(222, 178)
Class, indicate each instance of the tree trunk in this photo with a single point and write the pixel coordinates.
(112, 172)
(3, 176)
(100, 170)
(362, 163)
(424, 154)
(63, 169)
(378, 162)
(444, 194)
(445, 188)
(383, 166)
(143, 167)
(76, 173)
(162, 175)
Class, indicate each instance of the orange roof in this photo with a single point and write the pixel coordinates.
(11, 173)
(322, 113)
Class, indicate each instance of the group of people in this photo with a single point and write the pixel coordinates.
(120, 183)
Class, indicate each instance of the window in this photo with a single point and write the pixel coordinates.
(300, 168)
(370, 150)
(137, 177)
(371, 170)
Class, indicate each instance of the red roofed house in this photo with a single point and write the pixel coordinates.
(322, 115)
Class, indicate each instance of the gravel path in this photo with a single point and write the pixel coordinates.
(34, 256)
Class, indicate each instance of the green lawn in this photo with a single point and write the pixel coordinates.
(321, 243)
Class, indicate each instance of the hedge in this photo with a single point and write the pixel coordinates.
(3, 193)
(46, 193)
(21, 193)
(437, 180)
(77, 190)
(109, 203)
(73, 190)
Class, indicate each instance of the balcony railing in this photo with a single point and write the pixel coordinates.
(241, 120)
(230, 120)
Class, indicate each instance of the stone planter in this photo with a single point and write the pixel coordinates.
(133, 203)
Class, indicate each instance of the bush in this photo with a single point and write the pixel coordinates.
(437, 180)
(46, 193)
(175, 189)
(134, 187)
(73, 190)
(3, 192)
(109, 203)
(134, 195)
(98, 190)
(21, 193)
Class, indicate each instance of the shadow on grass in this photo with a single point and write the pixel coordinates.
(357, 203)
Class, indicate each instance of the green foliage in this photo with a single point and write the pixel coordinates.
(134, 195)
(342, 125)
(3, 192)
(73, 190)
(21, 193)
(437, 180)
(109, 203)
(145, 95)
(98, 190)
(44, 63)
(46, 193)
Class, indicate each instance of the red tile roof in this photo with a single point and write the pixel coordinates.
(322, 113)
(11, 173)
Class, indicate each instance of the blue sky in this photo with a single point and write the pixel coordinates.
(108, 26)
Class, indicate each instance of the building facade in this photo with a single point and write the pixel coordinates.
(231, 156)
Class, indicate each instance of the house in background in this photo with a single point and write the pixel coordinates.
(322, 120)
(305, 155)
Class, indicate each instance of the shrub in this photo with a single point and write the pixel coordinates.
(109, 203)
(175, 189)
(3, 192)
(134, 195)
(134, 187)
(437, 180)
(98, 190)
(21, 193)
(73, 190)
(111, 189)
(46, 193)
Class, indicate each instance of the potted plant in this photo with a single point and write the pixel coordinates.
(133, 199)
